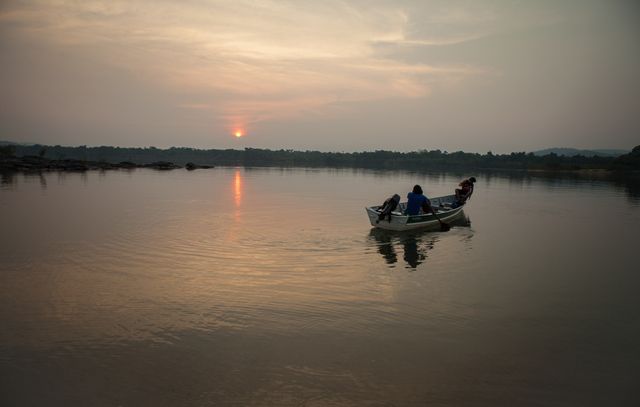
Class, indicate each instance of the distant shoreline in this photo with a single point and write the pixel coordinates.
(416, 160)
(586, 170)
(36, 163)
(83, 158)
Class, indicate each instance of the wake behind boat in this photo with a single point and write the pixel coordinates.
(387, 216)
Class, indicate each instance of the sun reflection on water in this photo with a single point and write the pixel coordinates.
(238, 189)
(237, 214)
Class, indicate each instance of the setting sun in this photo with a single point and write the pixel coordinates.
(238, 134)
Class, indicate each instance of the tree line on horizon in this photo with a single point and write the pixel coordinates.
(421, 159)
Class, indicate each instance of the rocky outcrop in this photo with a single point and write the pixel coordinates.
(162, 165)
(36, 163)
(192, 166)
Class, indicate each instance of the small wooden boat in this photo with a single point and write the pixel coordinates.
(446, 207)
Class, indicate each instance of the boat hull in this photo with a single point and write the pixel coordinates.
(398, 221)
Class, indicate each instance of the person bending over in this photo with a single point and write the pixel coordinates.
(466, 190)
(418, 201)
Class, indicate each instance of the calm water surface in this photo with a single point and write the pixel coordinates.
(268, 287)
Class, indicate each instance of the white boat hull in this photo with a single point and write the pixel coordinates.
(399, 221)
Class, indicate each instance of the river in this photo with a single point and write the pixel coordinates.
(268, 287)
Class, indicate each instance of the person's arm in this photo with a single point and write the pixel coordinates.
(426, 207)
(468, 195)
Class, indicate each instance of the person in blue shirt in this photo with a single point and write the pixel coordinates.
(418, 201)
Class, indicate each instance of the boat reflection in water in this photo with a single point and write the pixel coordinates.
(415, 244)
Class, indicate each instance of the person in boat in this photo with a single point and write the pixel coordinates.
(466, 189)
(418, 201)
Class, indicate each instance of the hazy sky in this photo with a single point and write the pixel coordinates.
(328, 75)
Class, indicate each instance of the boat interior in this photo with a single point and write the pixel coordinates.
(439, 204)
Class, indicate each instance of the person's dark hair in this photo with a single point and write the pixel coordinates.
(417, 190)
(472, 179)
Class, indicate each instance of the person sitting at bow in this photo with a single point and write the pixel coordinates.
(466, 189)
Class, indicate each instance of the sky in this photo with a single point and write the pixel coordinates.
(332, 75)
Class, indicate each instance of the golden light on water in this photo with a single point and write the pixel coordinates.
(238, 188)
(237, 226)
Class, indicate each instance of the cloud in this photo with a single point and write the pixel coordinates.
(254, 60)
(346, 71)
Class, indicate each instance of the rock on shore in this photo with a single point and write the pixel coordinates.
(36, 163)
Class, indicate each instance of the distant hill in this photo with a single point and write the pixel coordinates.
(13, 143)
(571, 152)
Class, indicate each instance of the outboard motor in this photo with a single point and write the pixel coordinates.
(388, 206)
